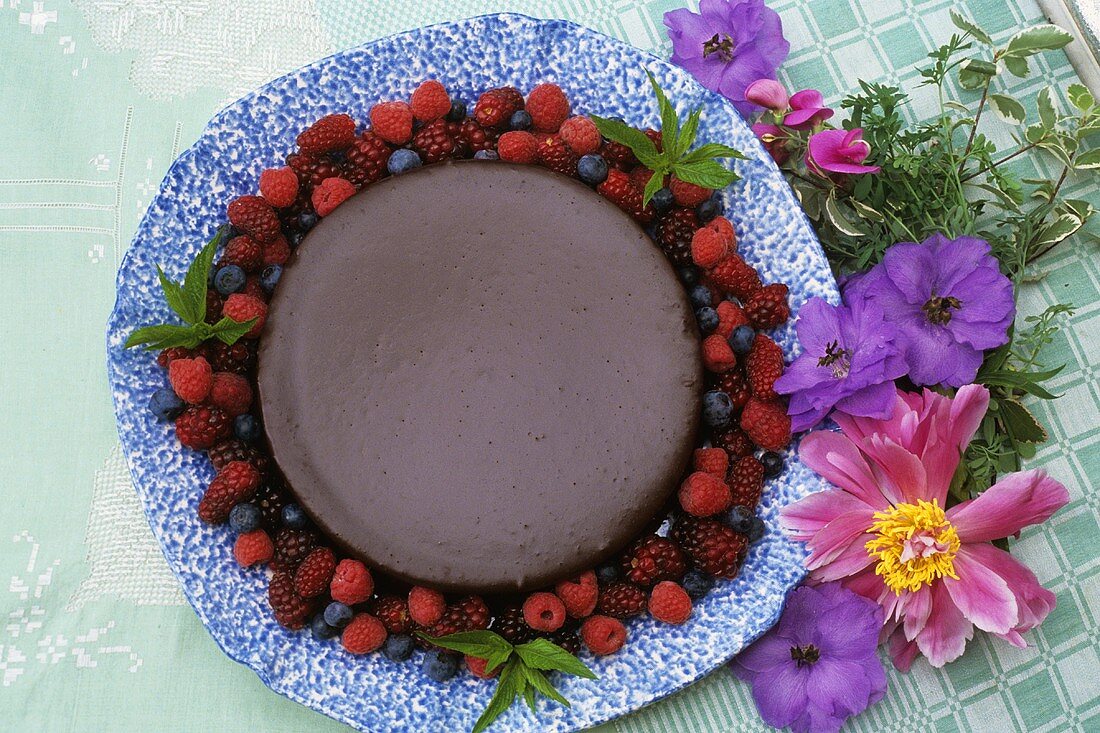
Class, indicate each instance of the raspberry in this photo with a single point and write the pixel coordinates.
(252, 284)
(430, 101)
(674, 233)
(767, 423)
(640, 177)
(291, 610)
(392, 611)
(327, 135)
(714, 548)
(363, 634)
(603, 635)
(721, 226)
(746, 481)
(763, 365)
(581, 135)
(433, 142)
(555, 155)
(470, 137)
(271, 499)
(331, 193)
(734, 441)
(291, 547)
(255, 217)
(670, 603)
(548, 107)
(243, 308)
(703, 494)
(544, 612)
(511, 625)
(351, 583)
(468, 614)
(736, 277)
(232, 485)
(688, 194)
(167, 356)
(213, 306)
(244, 252)
(768, 308)
(426, 606)
(312, 169)
(579, 595)
(621, 599)
(655, 138)
(494, 107)
(312, 577)
(618, 156)
(279, 186)
(253, 548)
(477, 668)
(717, 355)
(707, 248)
(227, 451)
(392, 121)
(620, 191)
(734, 384)
(714, 461)
(277, 251)
(730, 316)
(366, 159)
(199, 427)
(652, 559)
(191, 379)
(518, 146)
(231, 393)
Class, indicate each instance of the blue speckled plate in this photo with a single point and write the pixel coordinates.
(601, 75)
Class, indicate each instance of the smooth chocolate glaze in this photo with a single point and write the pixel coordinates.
(481, 377)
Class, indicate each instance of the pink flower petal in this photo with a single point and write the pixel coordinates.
(804, 518)
(902, 651)
(902, 475)
(917, 607)
(836, 537)
(981, 595)
(955, 422)
(1016, 501)
(944, 637)
(1034, 602)
(839, 461)
(848, 562)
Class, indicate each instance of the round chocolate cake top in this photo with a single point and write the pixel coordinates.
(480, 377)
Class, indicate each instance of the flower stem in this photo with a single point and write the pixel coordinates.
(977, 118)
(998, 163)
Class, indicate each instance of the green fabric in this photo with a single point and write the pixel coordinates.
(98, 97)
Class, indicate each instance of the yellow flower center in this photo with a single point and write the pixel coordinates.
(915, 545)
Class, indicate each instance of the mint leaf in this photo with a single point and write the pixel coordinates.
(687, 134)
(636, 140)
(229, 331)
(164, 336)
(705, 173)
(652, 186)
(173, 295)
(197, 277)
(670, 122)
(529, 698)
(480, 644)
(1030, 41)
(538, 681)
(544, 654)
(512, 682)
(712, 150)
(497, 658)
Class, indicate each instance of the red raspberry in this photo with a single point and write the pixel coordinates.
(255, 217)
(640, 177)
(734, 441)
(688, 194)
(291, 610)
(244, 252)
(327, 135)
(253, 548)
(199, 427)
(363, 634)
(243, 308)
(734, 384)
(433, 142)
(238, 358)
(392, 121)
(279, 186)
(714, 461)
(331, 193)
(392, 611)
(167, 356)
(518, 146)
(736, 277)
(620, 191)
(430, 101)
(581, 135)
(477, 668)
(252, 285)
(227, 451)
(767, 423)
(670, 603)
(714, 548)
(470, 137)
(555, 155)
(312, 169)
(233, 484)
(367, 158)
(277, 251)
(674, 233)
(721, 226)
(652, 559)
(618, 156)
(426, 606)
(621, 599)
(717, 355)
(707, 248)
(312, 577)
(603, 635)
(579, 595)
(291, 547)
(548, 107)
(544, 612)
(351, 583)
(231, 393)
(746, 481)
(468, 614)
(768, 308)
(763, 365)
(494, 107)
(703, 494)
(191, 379)
(730, 316)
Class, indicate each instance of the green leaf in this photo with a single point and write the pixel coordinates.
(544, 654)
(705, 173)
(480, 644)
(670, 122)
(198, 276)
(839, 219)
(1088, 160)
(229, 331)
(1047, 115)
(1030, 41)
(1055, 147)
(164, 336)
(512, 682)
(975, 73)
(652, 186)
(634, 139)
(712, 150)
(866, 211)
(687, 134)
(1080, 97)
(529, 698)
(496, 659)
(1007, 108)
(1062, 227)
(1017, 66)
(538, 681)
(173, 295)
(1021, 423)
(965, 25)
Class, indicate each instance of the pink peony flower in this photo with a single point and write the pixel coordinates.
(839, 151)
(808, 110)
(767, 93)
(884, 533)
(774, 140)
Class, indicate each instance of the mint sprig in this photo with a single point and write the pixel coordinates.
(524, 668)
(700, 166)
(188, 301)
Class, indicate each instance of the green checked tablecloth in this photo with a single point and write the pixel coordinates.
(97, 97)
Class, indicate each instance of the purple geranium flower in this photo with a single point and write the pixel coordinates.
(849, 361)
(728, 45)
(817, 666)
(949, 301)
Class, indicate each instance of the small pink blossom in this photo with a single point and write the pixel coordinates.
(808, 110)
(767, 93)
(775, 141)
(839, 151)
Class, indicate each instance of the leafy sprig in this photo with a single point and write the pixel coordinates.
(188, 300)
(524, 668)
(699, 166)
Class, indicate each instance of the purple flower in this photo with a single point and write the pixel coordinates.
(728, 45)
(807, 110)
(839, 151)
(767, 93)
(849, 361)
(817, 666)
(949, 302)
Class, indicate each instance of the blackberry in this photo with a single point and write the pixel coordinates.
(433, 142)
(471, 138)
(734, 384)
(312, 169)
(291, 610)
(674, 232)
(214, 304)
(236, 450)
(618, 155)
(239, 358)
(393, 612)
(291, 547)
(653, 559)
(509, 623)
(468, 614)
(621, 599)
(713, 547)
(366, 161)
(271, 498)
(734, 441)
(567, 639)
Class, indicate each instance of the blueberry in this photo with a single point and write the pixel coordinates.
(607, 573)
(295, 239)
(294, 517)
(486, 155)
(756, 531)
(398, 648)
(337, 615)
(246, 427)
(707, 210)
(165, 405)
(229, 279)
(228, 231)
(697, 584)
(708, 319)
(717, 409)
(662, 200)
(245, 518)
(402, 161)
(269, 278)
(741, 339)
(740, 518)
(773, 464)
(689, 275)
(321, 630)
(457, 112)
(307, 220)
(440, 666)
(701, 297)
(592, 169)
(520, 120)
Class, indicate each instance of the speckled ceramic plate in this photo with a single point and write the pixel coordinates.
(601, 75)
